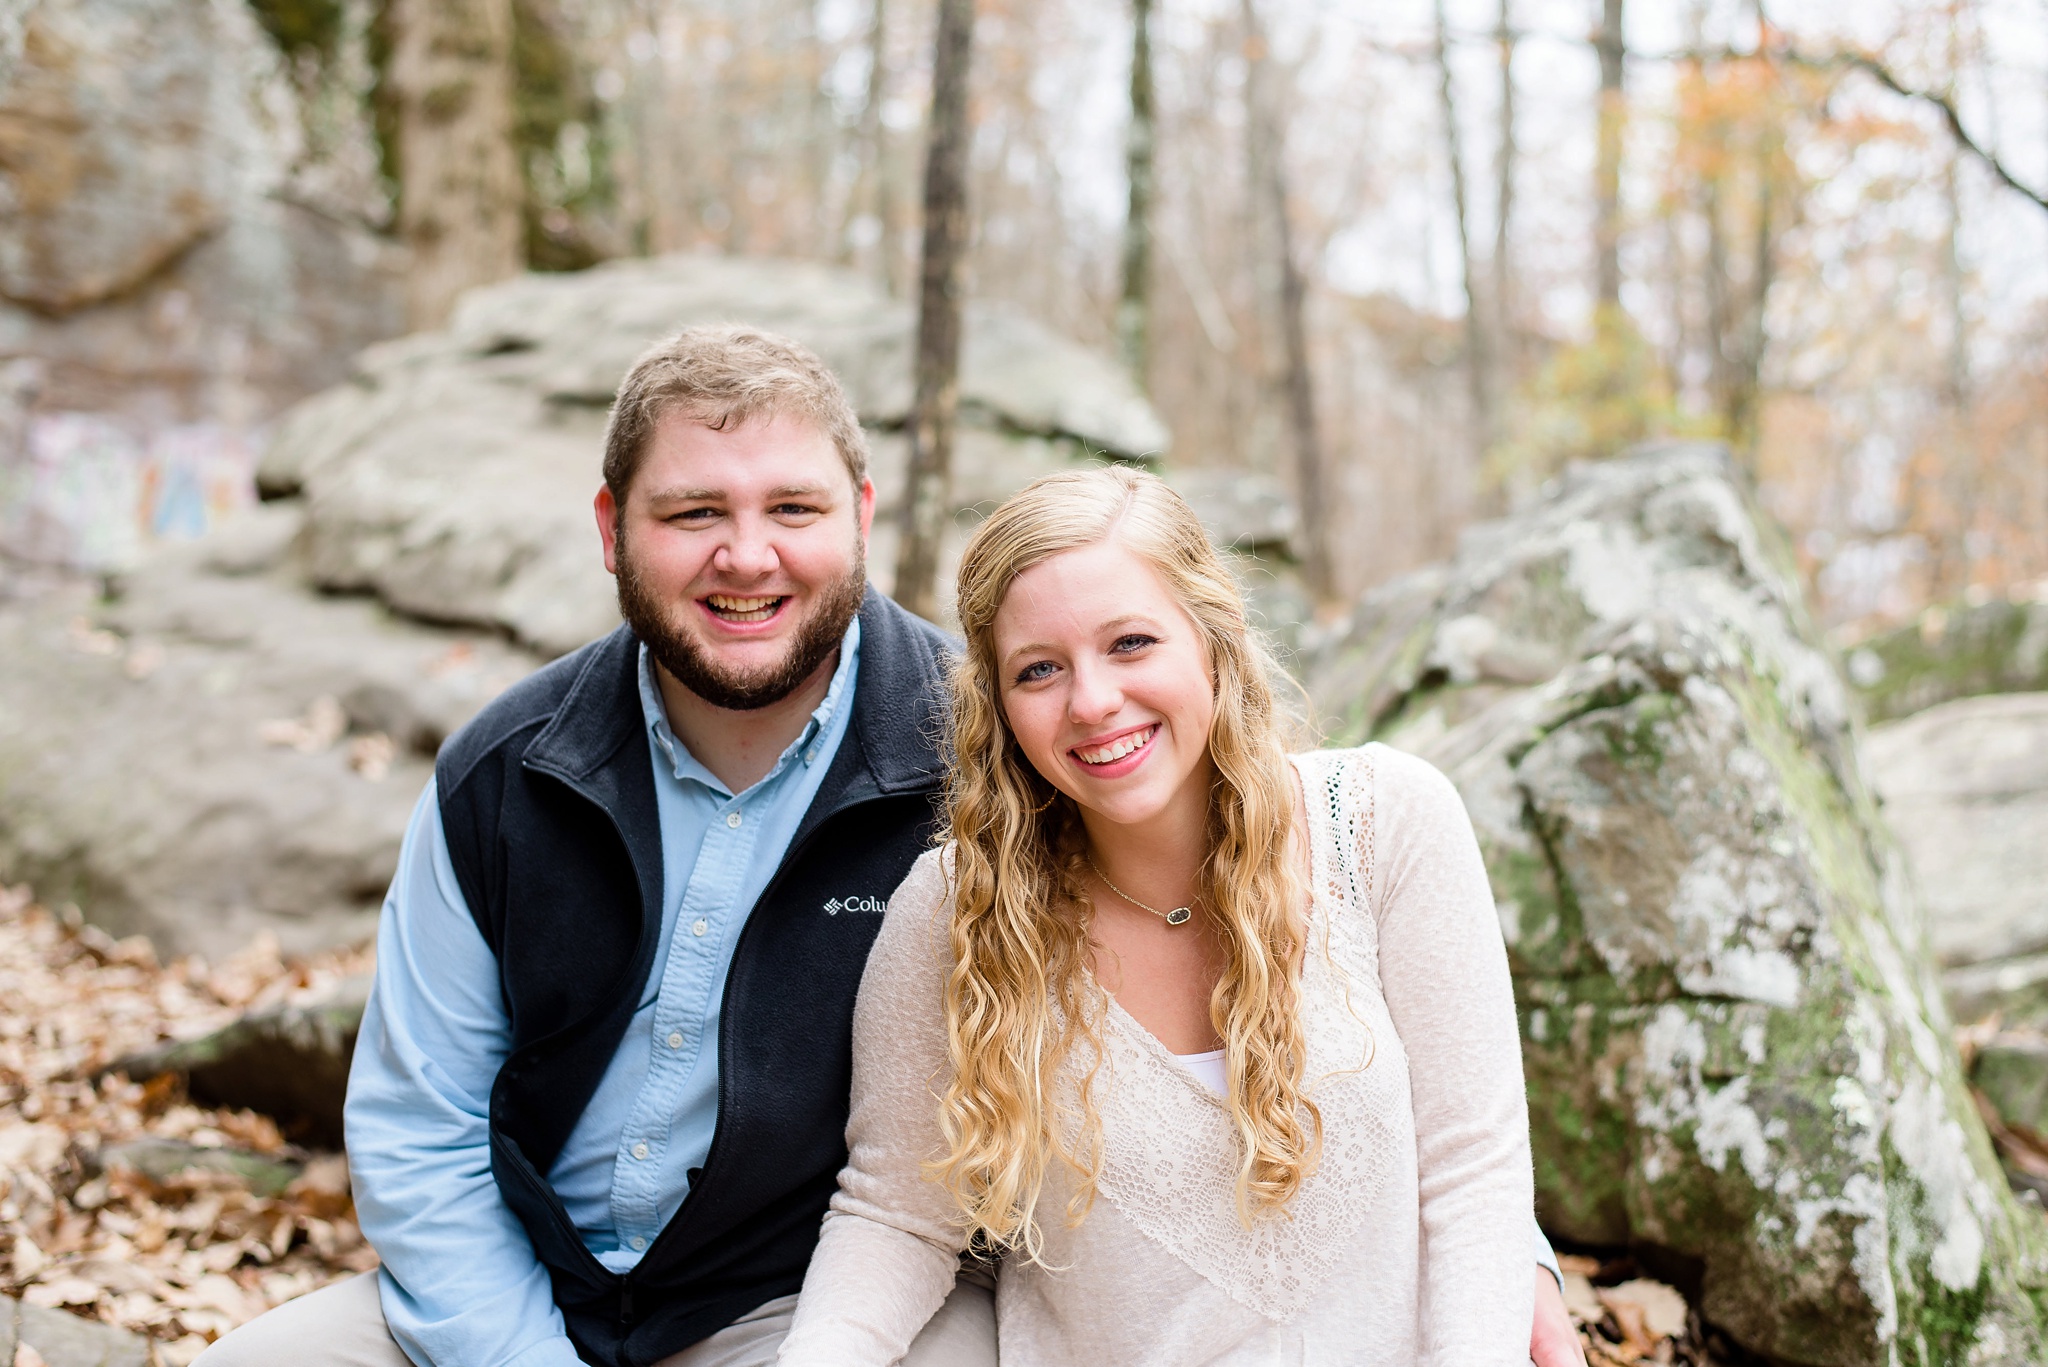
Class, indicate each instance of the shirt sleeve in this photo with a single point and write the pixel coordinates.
(460, 1284)
(1546, 1256)
(1444, 973)
(892, 1240)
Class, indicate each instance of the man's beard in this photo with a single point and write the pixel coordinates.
(655, 621)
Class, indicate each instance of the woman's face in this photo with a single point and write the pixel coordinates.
(1106, 684)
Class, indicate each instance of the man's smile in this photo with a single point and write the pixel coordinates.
(739, 609)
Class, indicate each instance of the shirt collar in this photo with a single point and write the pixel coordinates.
(803, 749)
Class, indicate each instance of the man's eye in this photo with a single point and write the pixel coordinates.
(793, 510)
(1033, 673)
(694, 515)
(1133, 641)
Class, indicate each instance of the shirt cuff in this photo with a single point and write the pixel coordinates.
(1546, 1257)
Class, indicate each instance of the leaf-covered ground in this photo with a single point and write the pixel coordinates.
(185, 1256)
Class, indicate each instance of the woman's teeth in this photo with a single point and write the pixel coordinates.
(1118, 748)
(732, 609)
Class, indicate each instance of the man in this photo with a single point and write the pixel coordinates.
(598, 1102)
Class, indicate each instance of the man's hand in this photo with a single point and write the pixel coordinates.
(1552, 1341)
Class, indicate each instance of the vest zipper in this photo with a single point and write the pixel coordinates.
(625, 1303)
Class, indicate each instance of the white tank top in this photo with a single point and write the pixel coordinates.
(1209, 1069)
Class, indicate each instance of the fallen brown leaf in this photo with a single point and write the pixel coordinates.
(186, 1258)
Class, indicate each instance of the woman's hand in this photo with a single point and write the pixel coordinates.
(1552, 1341)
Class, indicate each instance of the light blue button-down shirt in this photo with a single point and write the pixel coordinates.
(461, 1283)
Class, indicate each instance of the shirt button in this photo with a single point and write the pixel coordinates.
(637, 1242)
(733, 819)
(700, 927)
(639, 1151)
(675, 1039)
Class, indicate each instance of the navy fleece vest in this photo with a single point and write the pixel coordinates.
(548, 801)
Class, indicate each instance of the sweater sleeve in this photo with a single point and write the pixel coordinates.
(892, 1239)
(1444, 973)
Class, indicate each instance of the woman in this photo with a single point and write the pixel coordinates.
(1216, 1047)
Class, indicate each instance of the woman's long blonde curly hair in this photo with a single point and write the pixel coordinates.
(1019, 998)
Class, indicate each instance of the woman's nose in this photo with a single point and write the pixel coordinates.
(1094, 697)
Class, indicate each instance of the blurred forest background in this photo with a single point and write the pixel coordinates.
(1497, 235)
(1411, 257)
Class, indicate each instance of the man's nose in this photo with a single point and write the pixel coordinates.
(749, 551)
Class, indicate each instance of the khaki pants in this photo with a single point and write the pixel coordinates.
(343, 1326)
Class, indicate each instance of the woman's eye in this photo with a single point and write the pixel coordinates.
(1033, 673)
(1134, 641)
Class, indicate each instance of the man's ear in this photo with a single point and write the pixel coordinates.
(607, 510)
(867, 509)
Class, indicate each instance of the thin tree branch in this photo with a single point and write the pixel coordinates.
(1877, 71)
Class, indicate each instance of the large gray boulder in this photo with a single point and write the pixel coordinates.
(172, 272)
(234, 740)
(220, 751)
(125, 127)
(452, 475)
(1738, 1058)
(1966, 787)
(65, 1340)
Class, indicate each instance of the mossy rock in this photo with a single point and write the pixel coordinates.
(1739, 1065)
(1950, 651)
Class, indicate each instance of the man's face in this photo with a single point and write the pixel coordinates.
(740, 554)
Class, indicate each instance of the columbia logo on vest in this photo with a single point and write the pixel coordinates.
(873, 905)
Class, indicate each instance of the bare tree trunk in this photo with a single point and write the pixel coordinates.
(1134, 310)
(1607, 163)
(928, 500)
(1505, 158)
(1961, 474)
(459, 186)
(1267, 147)
(872, 195)
(1478, 356)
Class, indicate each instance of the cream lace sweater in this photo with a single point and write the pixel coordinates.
(1408, 1244)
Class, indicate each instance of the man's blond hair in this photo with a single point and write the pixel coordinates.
(722, 376)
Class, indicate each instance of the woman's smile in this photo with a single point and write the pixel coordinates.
(1116, 755)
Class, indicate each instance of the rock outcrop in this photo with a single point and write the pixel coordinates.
(171, 274)
(1956, 650)
(234, 739)
(290, 1062)
(220, 751)
(1966, 787)
(1738, 1057)
(452, 475)
(64, 1340)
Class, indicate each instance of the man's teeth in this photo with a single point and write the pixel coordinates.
(1117, 749)
(734, 609)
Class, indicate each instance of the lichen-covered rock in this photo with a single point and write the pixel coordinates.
(452, 476)
(1738, 1060)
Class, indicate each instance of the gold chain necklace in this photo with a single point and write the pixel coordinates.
(1177, 917)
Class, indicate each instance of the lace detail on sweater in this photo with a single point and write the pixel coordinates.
(1170, 1149)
